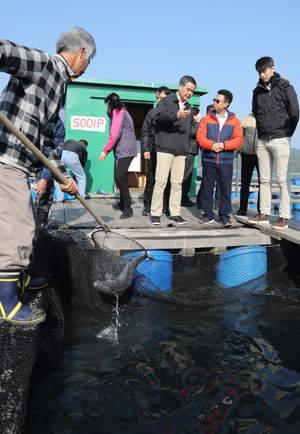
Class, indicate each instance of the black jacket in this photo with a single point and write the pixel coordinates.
(277, 110)
(148, 133)
(172, 135)
(78, 148)
(194, 147)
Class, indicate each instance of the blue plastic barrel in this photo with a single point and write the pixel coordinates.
(159, 272)
(296, 205)
(241, 265)
(66, 195)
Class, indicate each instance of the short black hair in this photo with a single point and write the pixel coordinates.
(187, 79)
(165, 89)
(227, 95)
(209, 108)
(84, 142)
(195, 111)
(263, 63)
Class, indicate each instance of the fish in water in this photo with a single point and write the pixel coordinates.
(108, 332)
(123, 281)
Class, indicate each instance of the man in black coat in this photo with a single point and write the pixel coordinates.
(173, 123)
(276, 110)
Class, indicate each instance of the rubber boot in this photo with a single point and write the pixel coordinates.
(27, 282)
(11, 309)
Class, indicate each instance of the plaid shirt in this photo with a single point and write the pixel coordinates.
(31, 101)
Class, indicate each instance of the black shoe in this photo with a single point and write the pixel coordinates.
(155, 220)
(199, 206)
(146, 211)
(178, 219)
(240, 212)
(127, 213)
(117, 206)
(166, 212)
(188, 204)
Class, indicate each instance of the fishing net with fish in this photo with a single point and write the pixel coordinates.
(88, 271)
(93, 272)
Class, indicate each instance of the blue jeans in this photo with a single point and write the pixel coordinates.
(71, 160)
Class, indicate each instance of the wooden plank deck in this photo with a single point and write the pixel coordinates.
(168, 235)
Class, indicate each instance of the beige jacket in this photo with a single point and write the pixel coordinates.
(249, 130)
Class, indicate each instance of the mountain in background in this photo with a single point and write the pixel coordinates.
(294, 162)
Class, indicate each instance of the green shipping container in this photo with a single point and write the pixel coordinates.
(86, 119)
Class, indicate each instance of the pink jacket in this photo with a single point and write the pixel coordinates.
(121, 135)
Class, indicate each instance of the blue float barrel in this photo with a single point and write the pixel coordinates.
(296, 205)
(241, 265)
(159, 272)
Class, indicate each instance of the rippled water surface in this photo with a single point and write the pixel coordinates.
(234, 369)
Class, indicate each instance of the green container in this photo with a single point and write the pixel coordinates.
(86, 119)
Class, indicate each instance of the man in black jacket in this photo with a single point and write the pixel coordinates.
(174, 120)
(190, 160)
(276, 110)
(149, 152)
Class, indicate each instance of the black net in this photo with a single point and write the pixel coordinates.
(28, 353)
(193, 279)
(80, 266)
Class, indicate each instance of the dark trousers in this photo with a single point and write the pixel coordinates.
(120, 178)
(209, 176)
(217, 193)
(249, 163)
(187, 178)
(150, 182)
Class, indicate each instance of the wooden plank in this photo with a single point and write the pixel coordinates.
(291, 234)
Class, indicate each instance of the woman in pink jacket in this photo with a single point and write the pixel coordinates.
(122, 141)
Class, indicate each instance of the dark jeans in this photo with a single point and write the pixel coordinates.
(217, 193)
(187, 178)
(209, 176)
(150, 182)
(120, 178)
(249, 163)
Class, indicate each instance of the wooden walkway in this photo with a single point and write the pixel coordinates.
(169, 235)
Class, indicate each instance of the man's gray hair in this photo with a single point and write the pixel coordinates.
(73, 39)
(187, 79)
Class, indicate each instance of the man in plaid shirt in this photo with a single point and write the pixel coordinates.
(31, 101)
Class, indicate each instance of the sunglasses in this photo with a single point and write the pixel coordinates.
(218, 100)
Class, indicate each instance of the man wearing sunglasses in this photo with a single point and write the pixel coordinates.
(219, 134)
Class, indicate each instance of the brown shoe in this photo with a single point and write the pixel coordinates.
(259, 219)
(280, 224)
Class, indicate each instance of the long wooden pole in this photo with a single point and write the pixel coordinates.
(49, 166)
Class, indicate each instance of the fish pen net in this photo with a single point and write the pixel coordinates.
(28, 354)
(80, 266)
(93, 273)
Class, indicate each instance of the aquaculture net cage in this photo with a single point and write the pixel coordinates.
(203, 279)
(78, 266)
(28, 354)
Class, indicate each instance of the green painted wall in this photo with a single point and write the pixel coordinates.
(85, 97)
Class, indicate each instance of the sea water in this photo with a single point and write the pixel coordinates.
(173, 369)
